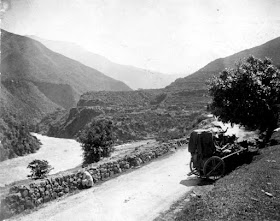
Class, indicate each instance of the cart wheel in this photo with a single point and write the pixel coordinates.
(193, 169)
(214, 168)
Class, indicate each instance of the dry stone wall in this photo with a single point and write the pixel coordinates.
(25, 197)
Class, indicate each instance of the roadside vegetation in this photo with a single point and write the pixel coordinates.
(39, 169)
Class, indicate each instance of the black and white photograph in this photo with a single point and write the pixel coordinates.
(139, 110)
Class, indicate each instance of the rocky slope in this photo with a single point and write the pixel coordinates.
(134, 77)
(271, 49)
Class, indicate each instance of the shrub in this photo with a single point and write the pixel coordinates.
(39, 169)
(96, 141)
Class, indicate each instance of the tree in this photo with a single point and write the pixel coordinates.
(96, 141)
(248, 94)
(39, 169)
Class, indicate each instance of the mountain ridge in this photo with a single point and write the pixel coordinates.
(136, 78)
(270, 49)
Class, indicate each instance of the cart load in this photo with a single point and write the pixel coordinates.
(208, 151)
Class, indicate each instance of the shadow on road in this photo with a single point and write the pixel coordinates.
(196, 181)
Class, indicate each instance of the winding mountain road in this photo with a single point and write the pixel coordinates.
(141, 194)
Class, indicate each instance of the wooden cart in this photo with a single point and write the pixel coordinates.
(209, 152)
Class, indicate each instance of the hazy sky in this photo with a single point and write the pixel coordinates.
(170, 36)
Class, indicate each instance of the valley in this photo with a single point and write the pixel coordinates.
(56, 94)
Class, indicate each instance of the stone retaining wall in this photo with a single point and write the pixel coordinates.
(21, 198)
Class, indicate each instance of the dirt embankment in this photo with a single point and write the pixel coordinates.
(251, 192)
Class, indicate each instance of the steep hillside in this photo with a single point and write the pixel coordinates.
(197, 80)
(36, 81)
(24, 98)
(25, 58)
(134, 77)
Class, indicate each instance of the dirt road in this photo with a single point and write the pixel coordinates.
(139, 195)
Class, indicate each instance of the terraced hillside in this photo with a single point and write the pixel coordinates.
(135, 114)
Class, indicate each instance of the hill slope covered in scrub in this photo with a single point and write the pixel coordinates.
(134, 77)
(197, 80)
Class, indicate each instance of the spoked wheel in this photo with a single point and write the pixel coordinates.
(193, 169)
(214, 168)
